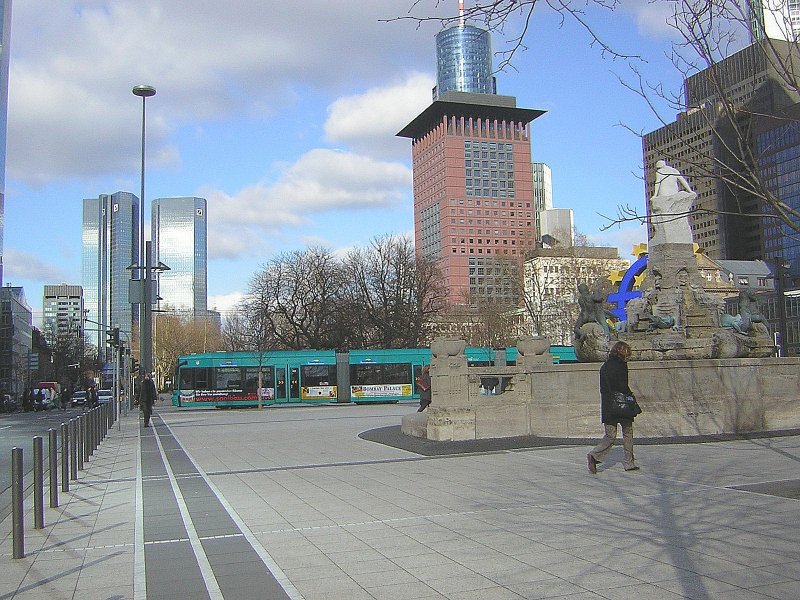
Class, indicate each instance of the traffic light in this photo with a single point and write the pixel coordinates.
(134, 365)
(113, 337)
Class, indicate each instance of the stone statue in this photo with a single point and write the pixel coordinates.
(592, 310)
(748, 310)
(670, 206)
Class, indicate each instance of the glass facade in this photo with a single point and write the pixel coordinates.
(489, 169)
(778, 151)
(464, 61)
(110, 246)
(180, 241)
(16, 337)
(5, 38)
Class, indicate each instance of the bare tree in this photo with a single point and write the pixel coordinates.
(176, 335)
(511, 19)
(297, 295)
(389, 294)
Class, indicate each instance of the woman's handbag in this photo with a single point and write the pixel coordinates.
(625, 406)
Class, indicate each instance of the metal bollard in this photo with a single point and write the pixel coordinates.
(38, 483)
(73, 449)
(18, 521)
(64, 458)
(81, 426)
(85, 437)
(90, 434)
(52, 446)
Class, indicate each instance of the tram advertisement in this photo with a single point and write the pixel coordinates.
(318, 391)
(217, 396)
(380, 391)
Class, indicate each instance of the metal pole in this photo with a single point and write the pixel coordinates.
(52, 438)
(73, 449)
(65, 457)
(84, 447)
(38, 483)
(18, 521)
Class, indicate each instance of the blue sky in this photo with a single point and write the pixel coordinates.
(283, 114)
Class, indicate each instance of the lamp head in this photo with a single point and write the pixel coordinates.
(144, 91)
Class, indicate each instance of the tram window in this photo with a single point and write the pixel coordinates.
(251, 378)
(186, 377)
(376, 374)
(318, 375)
(201, 379)
(228, 378)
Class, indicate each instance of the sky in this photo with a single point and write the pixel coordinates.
(283, 116)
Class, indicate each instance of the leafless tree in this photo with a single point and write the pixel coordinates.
(389, 294)
(297, 295)
(511, 19)
(176, 335)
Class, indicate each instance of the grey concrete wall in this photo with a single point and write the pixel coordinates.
(687, 397)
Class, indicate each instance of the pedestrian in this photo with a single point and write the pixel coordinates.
(147, 397)
(614, 378)
(41, 400)
(64, 397)
(91, 397)
(424, 387)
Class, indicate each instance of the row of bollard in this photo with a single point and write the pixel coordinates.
(79, 439)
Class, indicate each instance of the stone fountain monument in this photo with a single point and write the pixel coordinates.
(675, 318)
(694, 370)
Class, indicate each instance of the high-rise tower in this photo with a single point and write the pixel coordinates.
(473, 191)
(5, 39)
(715, 153)
(179, 233)
(110, 247)
(464, 60)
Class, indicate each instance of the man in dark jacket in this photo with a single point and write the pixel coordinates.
(614, 378)
(147, 397)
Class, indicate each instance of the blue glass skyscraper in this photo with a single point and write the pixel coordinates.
(179, 233)
(110, 246)
(5, 38)
(464, 61)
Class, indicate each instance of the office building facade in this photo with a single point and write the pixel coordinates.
(62, 311)
(110, 247)
(474, 210)
(704, 145)
(180, 241)
(16, 334)
(542, 192)
(5, 40)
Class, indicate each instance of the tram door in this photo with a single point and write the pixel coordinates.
(294, 384)
(280, 384)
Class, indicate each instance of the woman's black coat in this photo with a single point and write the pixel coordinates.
(613, 378)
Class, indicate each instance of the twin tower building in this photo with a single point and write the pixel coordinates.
(110, 248)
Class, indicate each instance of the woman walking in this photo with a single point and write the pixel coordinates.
(614, 378)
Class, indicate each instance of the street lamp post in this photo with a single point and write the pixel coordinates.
(145, 316)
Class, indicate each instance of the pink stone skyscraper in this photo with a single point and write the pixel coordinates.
(473, 191)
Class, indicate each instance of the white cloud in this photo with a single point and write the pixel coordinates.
(24, 266)
(321, 180)
(624, 238)
(652, 18)
(225, 303)
(71, 111)
(369, 121)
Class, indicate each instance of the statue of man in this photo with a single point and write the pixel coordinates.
(669, 180)
(670, 206)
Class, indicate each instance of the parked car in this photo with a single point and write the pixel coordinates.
(8, 404)
(104, 396)
(78, 398)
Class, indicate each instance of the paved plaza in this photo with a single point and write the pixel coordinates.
(292, 503)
